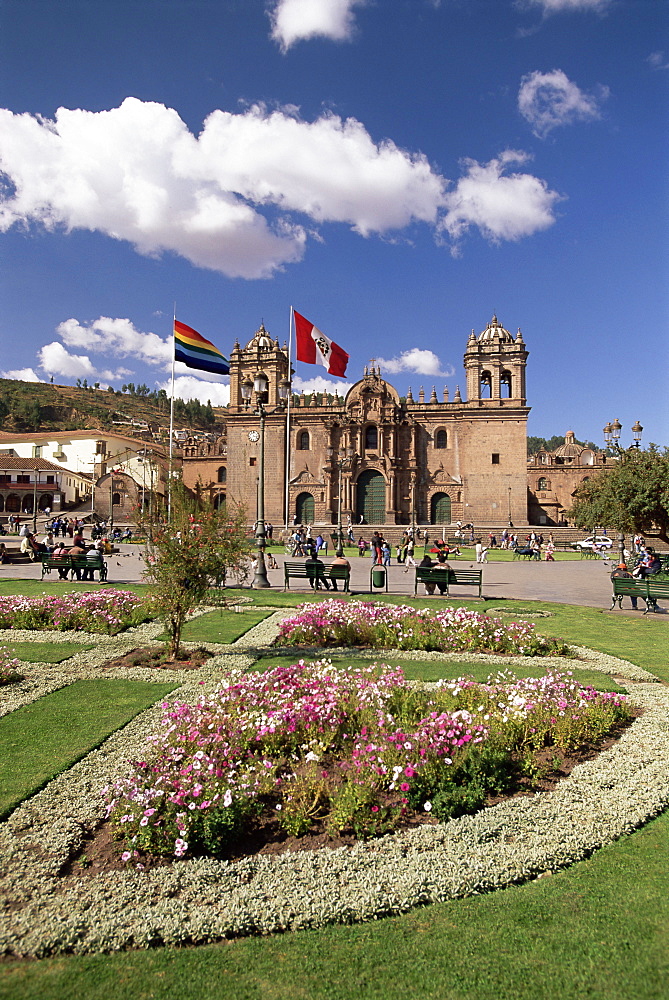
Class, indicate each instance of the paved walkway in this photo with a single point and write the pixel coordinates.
(581, 582)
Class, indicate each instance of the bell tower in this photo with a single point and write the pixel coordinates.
(262, 354)
(495, 364)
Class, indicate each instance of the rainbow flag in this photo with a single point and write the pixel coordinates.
(196, 352)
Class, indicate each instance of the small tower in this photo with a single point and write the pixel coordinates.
(261, 354)
(495, 364)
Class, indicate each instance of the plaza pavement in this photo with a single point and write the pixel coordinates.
(581, 582)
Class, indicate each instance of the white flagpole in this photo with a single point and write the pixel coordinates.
(290, 399)
(169, 473)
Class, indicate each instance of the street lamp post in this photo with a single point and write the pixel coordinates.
(35, 501)
(340, 464)
(260, 386)
(612, 433)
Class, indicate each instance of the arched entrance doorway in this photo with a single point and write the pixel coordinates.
(370, 497)
(305, 508)
(440, 509)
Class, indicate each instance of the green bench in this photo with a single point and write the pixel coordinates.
(649, 590)
(316, 575)
(74, 565)
(449, 576)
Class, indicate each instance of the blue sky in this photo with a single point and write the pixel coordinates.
(396, 170)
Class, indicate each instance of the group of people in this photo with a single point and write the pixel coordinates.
(317, 577)
(52, 546)
(647, 563)
(302, 542)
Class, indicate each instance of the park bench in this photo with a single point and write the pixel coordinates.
(648, 590)
(450, 576)
(316, 575)
(74, 564)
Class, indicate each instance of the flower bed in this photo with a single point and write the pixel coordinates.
(106, 612)
(9, 668)
(340, 750)
(386, 626)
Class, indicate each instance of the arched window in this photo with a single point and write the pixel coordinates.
(440, 438)
(219, 501)
(13, 504)
(116, 499)
(485, 389)
(305, 508)
(440, 509)
(542, 484)
(222, 474)
(371, 437)
(303, 441)
(46, 500)
(27, 505)
(505, 385)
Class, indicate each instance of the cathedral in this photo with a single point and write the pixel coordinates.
(386, 459)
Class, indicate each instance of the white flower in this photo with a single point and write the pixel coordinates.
(428, 807)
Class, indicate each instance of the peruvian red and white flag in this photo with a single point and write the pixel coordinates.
(314, 348)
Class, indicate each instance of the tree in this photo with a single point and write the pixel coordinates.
(189, 555)
(630, 496)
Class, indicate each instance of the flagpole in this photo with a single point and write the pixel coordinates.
(290, 399)
(169, 472)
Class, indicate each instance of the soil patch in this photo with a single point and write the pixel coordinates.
(101, 853)
(155, 658)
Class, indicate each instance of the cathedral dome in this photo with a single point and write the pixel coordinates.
(261, 339)
(568, 450)
(494, 330)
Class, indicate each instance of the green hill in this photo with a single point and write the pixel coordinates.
(40, 406)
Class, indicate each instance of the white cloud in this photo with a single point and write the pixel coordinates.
(118, 337)
(320, 384)
(297, 20)
(188, 387)
(548, 100)
(137, 174)
(54, 359)
(503, 207)
(423, 362)
(22, 375)
(657, 60)
(567, 6)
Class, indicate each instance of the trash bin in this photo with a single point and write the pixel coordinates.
(379, 577)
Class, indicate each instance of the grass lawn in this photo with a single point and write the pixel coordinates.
(431, 670)
(221, 626)
(35, 588)
(40, 740)
(44, 652)
(599, 930)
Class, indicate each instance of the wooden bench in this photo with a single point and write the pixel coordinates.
(316, 575)
(74, 565)
(341, 573)
(649, 590)
(438, 576)
(450, 576)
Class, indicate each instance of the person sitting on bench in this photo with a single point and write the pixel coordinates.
(338, 561)
(622, 573)
(316, 569)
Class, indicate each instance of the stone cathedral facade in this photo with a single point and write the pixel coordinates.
(427, 459)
